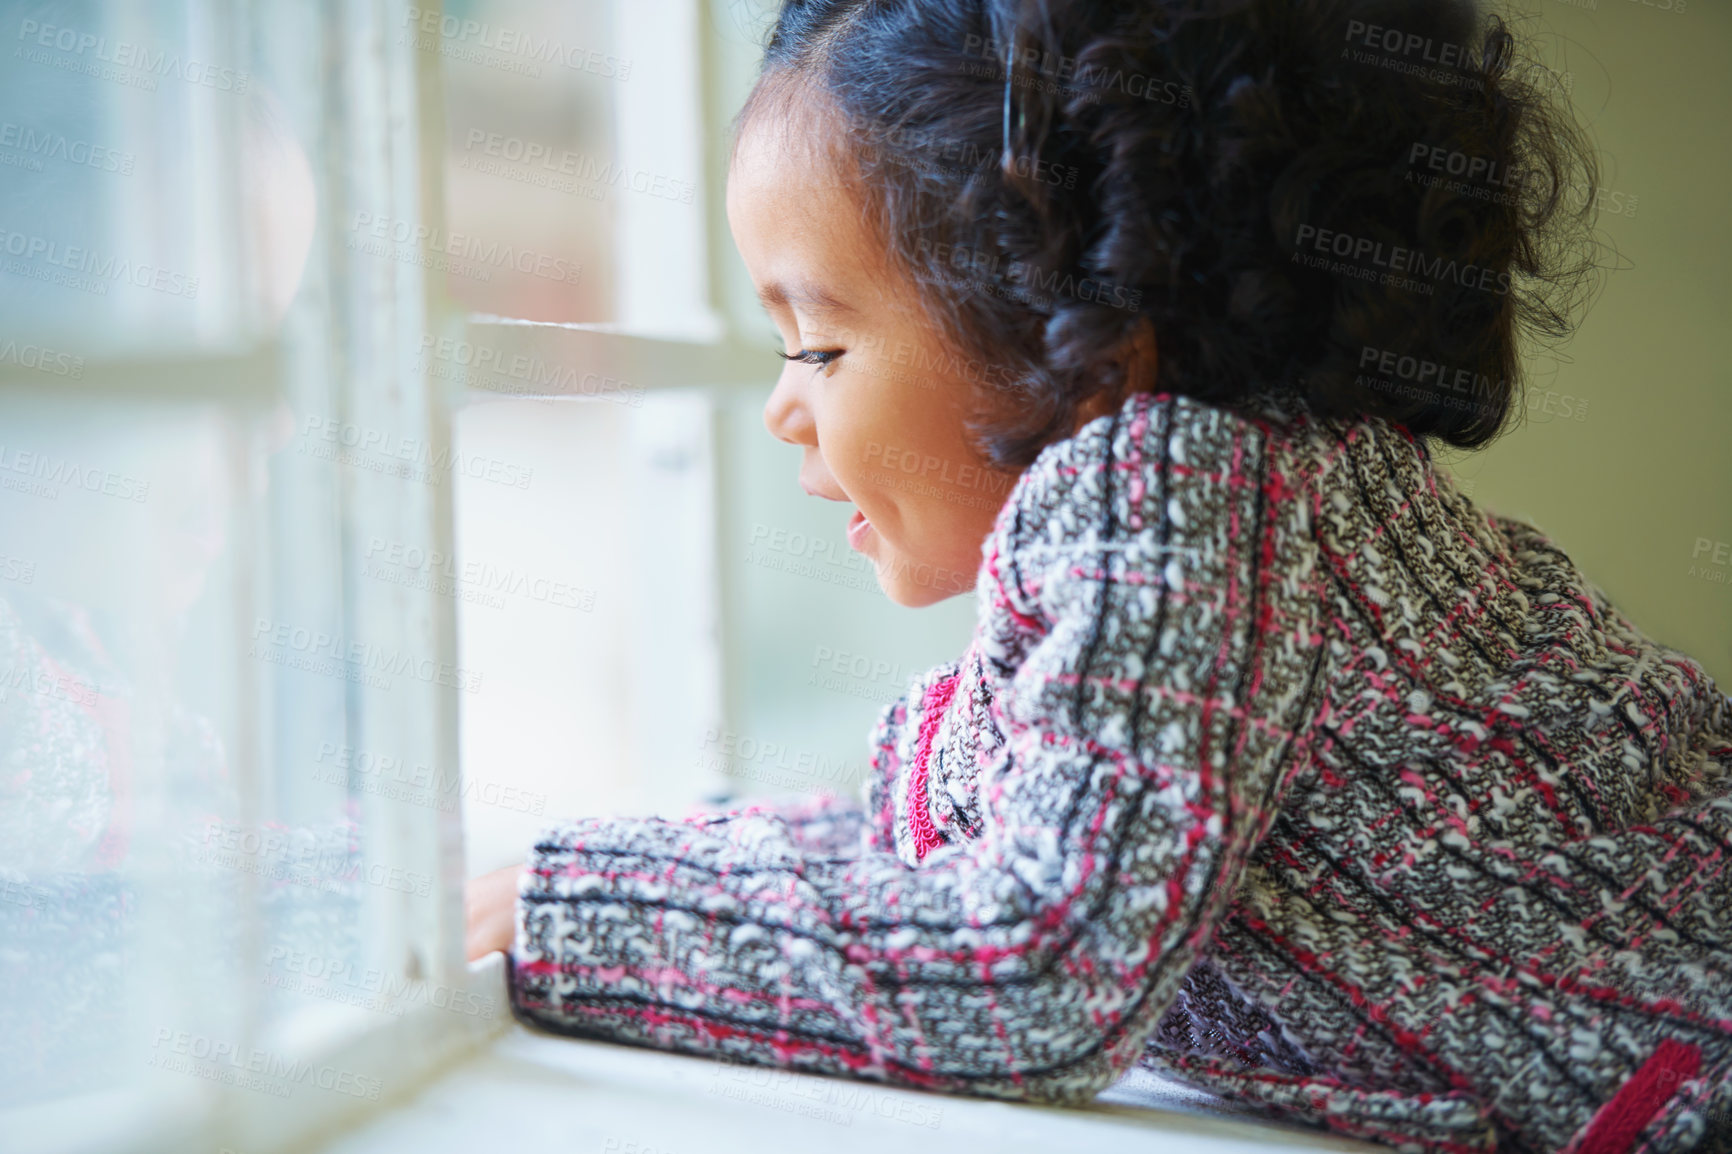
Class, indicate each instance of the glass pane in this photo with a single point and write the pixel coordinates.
(133, 837)
(541, 596)
(179, 846)
(128, 135)
(574, 162)
(106, 766)
(532, 173)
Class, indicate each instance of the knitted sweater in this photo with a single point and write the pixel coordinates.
(1274, 764)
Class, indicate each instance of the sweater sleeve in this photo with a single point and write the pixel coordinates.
(1147, 635)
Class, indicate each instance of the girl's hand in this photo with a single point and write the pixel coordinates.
(490, 909)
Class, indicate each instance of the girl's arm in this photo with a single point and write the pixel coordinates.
(1149, 630)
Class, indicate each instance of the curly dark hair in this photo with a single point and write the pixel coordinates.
(1364, 202)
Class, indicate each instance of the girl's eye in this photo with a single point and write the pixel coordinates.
(811, 356)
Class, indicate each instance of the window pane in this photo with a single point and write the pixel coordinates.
(532, 183)
(128, 136)
(181, 852)
(120, 730)
(574, 161)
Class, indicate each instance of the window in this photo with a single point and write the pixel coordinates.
(381, 476)
(214, 927)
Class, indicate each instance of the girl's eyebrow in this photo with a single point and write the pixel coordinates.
(803, 296)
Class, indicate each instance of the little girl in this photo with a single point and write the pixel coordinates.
(1273, 764)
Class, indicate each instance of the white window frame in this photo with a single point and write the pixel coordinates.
(381, 144)
(380, 141)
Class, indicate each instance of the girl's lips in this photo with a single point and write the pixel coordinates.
(858, 526)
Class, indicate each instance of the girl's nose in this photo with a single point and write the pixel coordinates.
(786, 415)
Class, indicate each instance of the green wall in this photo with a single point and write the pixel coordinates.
(1632, 486)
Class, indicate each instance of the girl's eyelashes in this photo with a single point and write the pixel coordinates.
(811, 356)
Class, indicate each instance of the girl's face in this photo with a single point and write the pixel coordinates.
(878, 404)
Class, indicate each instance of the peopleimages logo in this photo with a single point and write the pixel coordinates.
(182, 1052)
(940, 469)
(579, 166)
(411, 458)
(488, 363)
(24, 894)
(57, 471)
(371, 987)
(300, 857)
(468, 248)
(1397, 259)
(795, 553)
(479, 576)
(1024, 280)
(42, 359)
(41, 145)
(857, 674)
(62, 686)
(1071, 74)
(773, 763)
(529, 47)
(87, 270)
(827, 1099)
(1427, 373)
(927, 151)
(86, 47)
(420, 784)
(360, 657)
(17, 569)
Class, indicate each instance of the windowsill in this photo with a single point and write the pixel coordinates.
(532, 1091)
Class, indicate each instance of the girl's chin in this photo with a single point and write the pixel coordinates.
(904, 595)
(912, 583)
